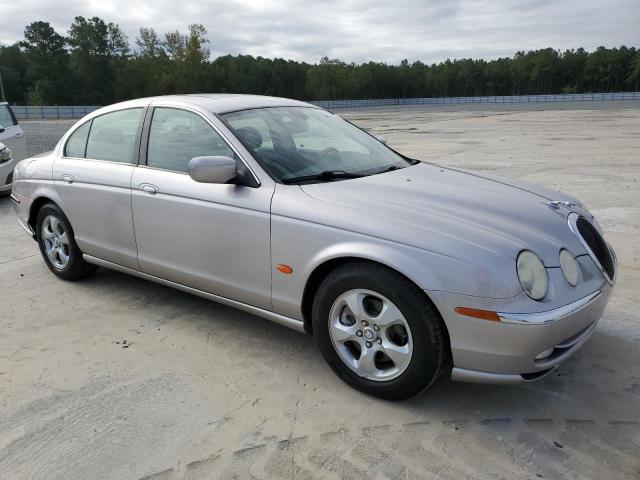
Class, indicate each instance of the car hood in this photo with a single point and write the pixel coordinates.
(453, 212)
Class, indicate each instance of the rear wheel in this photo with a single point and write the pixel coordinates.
(378, 331)
(58, 246)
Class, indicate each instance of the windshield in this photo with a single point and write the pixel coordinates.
(302, 144)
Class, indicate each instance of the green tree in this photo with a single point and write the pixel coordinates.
(98, 50)
(94, 65)
(149, 45)
(47, 61)
(13, 67)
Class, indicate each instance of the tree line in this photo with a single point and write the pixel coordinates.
(95, 64)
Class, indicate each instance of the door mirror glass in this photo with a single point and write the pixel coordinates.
(214, 169)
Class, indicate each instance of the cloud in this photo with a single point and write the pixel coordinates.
(356, 30)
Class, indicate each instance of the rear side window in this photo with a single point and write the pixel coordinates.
(113, 136)
(6, 118)
(176, 136)
(77, 144)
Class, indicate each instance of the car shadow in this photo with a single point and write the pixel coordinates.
(592, 376)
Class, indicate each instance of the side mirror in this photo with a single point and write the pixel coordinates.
(213, 169)
(381, 139)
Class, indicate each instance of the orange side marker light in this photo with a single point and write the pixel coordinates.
(286, 269)
(481, 314)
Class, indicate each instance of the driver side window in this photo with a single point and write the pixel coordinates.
(176, 136)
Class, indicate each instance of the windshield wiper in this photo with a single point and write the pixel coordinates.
(391, 168)
(326, 175)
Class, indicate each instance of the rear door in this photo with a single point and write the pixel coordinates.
(93, 179)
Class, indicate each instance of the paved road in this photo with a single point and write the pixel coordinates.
(118, 378)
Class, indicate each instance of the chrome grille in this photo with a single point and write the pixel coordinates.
(596, 245)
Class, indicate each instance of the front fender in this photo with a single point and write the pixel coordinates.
(306, 246)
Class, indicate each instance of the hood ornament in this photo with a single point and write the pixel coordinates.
(556, 204)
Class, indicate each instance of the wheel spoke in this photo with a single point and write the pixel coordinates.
(366, 363)
(389, 315)
(399, 355)
(64, 258)
(354, 302)
(342, 333)
(52, 254)
(47, 233)
(63, 238)
(55, 226)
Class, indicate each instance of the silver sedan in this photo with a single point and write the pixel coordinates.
(404, 271)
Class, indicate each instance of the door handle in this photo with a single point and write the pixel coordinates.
(148, 188)
(67, 178)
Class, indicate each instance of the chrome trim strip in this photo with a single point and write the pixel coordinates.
(572, 219)
(550, 315)
(289, 322)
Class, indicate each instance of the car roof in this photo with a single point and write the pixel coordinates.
(218, 102)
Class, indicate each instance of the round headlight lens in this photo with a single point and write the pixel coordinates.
(532, 275)
(569, 267)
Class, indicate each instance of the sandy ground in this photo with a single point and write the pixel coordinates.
(203, 391)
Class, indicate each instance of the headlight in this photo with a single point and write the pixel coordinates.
(5, 153)
(532, 275)
(569, 267)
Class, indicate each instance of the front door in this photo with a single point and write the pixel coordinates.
(212, 237)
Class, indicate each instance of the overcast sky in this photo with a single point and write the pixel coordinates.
(356, 30)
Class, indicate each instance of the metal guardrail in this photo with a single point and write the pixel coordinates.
(571, 97)
(75, 111)
(52, 112)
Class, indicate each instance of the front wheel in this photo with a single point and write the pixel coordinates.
(58, 246)
(378, 331)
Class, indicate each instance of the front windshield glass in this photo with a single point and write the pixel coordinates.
(301, 144)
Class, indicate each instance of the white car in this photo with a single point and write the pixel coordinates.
(12, 146)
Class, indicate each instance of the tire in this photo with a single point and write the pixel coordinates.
(416, 327)
(54, 230)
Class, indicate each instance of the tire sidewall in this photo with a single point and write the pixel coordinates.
(418, 313)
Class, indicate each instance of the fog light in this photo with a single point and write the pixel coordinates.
(569, 267)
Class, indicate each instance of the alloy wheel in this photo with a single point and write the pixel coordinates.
(370, 334)
(55, 241)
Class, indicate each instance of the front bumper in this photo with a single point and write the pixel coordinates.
(6, 176)
(520, 347)
(22, 206)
